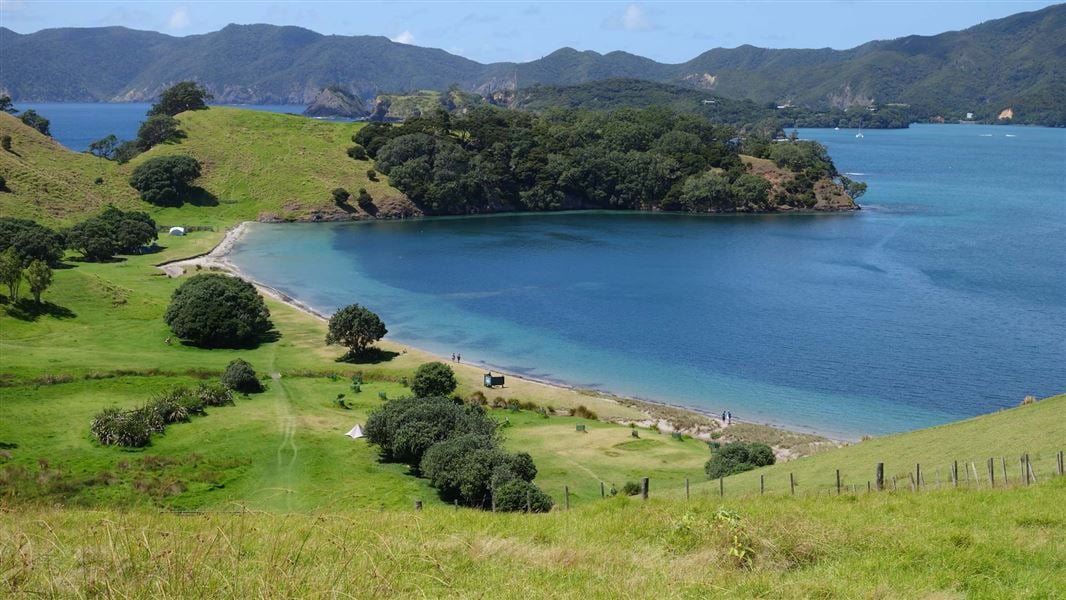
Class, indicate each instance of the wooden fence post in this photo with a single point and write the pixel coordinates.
(893, 483)
(917, 476)
(1061, 472)
(566, 490)
(792, 484)
(1003, 467)
(1029, 466)
(955, 473)
(721, 486)
(838, 482)
(991, 473)
(869, 486)
(687, 495)
(456, 505)
(1025, 472)
(644, 488)
(762, 484)
(880, 476)
(603, 490)
(418, 505)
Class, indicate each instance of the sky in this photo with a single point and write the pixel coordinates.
(522, 31)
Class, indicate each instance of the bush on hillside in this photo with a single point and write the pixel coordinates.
(241, 377)
(218, 311)
(516, 495)
(461, 468)
(631, 488)
(5, 143)
(737, 457)
(404, 429)
(357, 152)
(433, 379)
(214, 394)
(36, 121)
(356, 328)
(164, 180)
(371, 174)
(31, 240)
(116, 427)
(340, 195)
(156, 130)
(364, 199)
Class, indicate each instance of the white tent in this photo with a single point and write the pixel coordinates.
(177, 231)
(355, 433)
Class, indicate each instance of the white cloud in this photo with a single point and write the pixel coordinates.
(635, 19)
(404, 38)
(179, 19)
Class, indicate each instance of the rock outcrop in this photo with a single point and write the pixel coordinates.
(336, 102)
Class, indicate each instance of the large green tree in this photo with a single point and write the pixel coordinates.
(164, 180)
(32, 119)
(104, 147)
(355, 328)
(433, 379)
(31, 240)
(11, 272)
(180, 97)
(39, 278)
(215, 310)
(157, 129)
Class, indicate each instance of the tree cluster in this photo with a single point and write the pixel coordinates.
(164, 180)
(457, 448)
(433, 379)
(160, 127)
(239, 376)
(737, 457)
(112, 232)
(218, 311)
(492, 159)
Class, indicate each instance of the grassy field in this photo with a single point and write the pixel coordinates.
(255, 165)
(945, 544)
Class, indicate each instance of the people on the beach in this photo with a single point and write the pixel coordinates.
(453, 357)
(727, 417)
(459, 358)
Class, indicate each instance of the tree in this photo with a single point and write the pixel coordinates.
(364, 199)
(357, 152)
(340, 195)
(371, 174)
(126, 151)
(157, 129)
(112, 232)
(215, 310)
(5, 143)
(737, 457)
(36, 121)
(11, 273)
(39, 278)
(751, 192)
(94, 238)
(853, 188)
(707, 191)
(433, 379)
(165, 179)
(516, 495)
(240, 376)
(404, 429)
(356, 328)
(104, 147)
(6, 105)
(180, 97)
(31, 240)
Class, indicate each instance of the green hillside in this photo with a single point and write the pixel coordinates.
(256, 165)
(1015, 62)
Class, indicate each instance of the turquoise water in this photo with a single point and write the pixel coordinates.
(78, 124)
(944, 298)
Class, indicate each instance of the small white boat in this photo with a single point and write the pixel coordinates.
(859, 135)
(1010, 135)
(836, 129)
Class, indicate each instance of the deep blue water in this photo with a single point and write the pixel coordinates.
(76, 125)
(944, 298)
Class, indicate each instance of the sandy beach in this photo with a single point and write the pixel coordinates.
(643, 412)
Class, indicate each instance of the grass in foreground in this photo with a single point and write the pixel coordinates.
(948, 544)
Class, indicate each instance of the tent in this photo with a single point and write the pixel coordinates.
(177, 231)
(355, 433)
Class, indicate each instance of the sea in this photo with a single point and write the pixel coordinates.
(942, 299)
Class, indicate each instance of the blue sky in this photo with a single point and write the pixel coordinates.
(520, 31)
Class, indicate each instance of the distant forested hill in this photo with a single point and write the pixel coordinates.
(1012, 66)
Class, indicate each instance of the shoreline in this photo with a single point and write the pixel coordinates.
(663, 415)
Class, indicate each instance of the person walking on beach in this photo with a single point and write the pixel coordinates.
(453, 357)
(459, 358)
(723, 417)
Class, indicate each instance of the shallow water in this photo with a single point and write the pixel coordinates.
(944, 298)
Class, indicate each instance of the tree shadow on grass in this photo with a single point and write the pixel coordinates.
(198, 196)
(370, 356)
(28, 310)
(266, 338)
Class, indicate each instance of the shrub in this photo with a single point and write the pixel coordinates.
(116, 427)
(157, 129)
(215, 310)
(340, 195)
(357, 152)
(631, 488)
(371, 174)
(737, 457)
(515, 495)
(363, 198)
(165, 179)
(241, 377)
(214, 394)
(478, 397)
(180, 97)
(5, 143)
(168, 406)
(461, 468)
(356, 328)
(36, 121)
(433, 379)
(583, 412)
